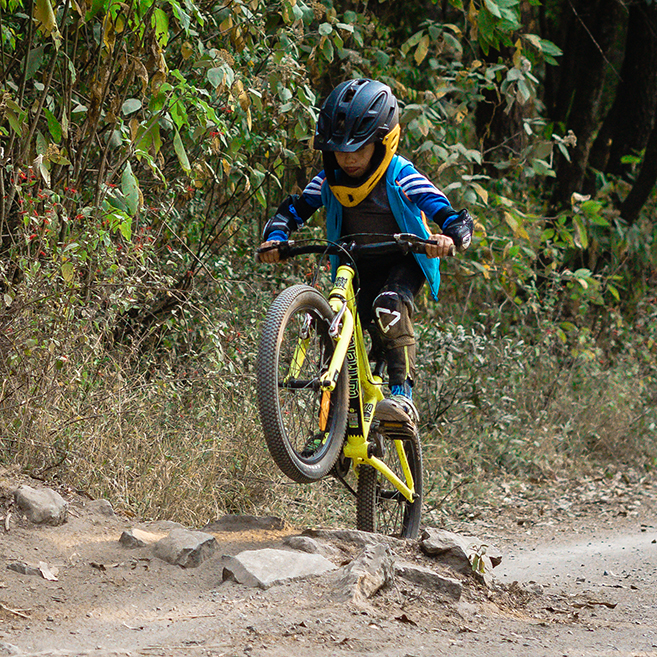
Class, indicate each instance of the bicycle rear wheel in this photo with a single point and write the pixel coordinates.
(304, 426)
(380, 507)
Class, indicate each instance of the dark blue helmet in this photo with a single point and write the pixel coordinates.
(356, 113)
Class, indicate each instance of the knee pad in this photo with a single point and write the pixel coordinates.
(392, 319)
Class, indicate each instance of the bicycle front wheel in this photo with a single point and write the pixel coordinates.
(380, 507)
(304, 425)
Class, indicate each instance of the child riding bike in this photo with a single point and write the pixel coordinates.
(369, 192)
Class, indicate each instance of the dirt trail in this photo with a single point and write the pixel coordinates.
(583, 554)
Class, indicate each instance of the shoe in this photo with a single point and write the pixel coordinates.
(397, 408)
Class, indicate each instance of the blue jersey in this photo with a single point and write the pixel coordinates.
(413, 200)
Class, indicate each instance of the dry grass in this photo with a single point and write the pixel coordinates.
(500, 405)
(167, 427)
(165, 432)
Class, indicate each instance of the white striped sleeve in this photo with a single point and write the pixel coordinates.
(421, 191)
(312, 194)
(415, 184)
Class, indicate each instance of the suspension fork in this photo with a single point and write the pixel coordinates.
(342, 327)
(300, 350)
(340, 331)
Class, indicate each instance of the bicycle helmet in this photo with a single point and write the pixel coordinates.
(357, 113)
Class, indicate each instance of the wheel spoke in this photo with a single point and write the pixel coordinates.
(294, 350)
(381, 507)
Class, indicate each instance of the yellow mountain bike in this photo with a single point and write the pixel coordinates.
(317, 394)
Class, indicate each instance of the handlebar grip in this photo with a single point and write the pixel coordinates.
(420, 247)
(283, 249)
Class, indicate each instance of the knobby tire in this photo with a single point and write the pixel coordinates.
(380, 507)
(290, 413)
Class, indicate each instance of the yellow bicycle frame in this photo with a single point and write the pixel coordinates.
(364, 387)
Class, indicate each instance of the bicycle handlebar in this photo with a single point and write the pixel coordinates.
(402, 242)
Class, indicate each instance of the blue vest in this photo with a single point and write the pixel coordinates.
(409, 218)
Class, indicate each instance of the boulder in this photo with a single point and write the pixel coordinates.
(459, 552)
(241, 523)
(267, 567)
(101, 507)
(42, 506)
(446, 587)
(370, 571)
(185, 548)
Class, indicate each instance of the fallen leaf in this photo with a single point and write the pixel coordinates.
(130, 627)
(97, 566)
(590, 604)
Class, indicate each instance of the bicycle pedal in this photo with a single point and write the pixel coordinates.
(397, 430)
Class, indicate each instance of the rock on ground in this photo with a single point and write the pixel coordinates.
(370, 571)
(43, 506)
(185, 548)
(447, 587)
(266, 567)
(459, 552)
(240, 523)
(137, 538)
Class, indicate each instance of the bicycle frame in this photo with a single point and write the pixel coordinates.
(364, 387)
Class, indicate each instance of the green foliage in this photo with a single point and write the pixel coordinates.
(184, 117)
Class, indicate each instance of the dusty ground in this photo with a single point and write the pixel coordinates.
(583, 556)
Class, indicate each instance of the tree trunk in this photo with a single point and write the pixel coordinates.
(497, 128)
(629, 122)
(499, 131)
(591, 38)
(645, 181)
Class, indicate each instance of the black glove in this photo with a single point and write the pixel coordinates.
(460, 229)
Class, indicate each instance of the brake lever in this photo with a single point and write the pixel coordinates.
(406, 241)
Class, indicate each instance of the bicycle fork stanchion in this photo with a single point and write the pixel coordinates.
(342, 327)
(329, 379)
(298, 359)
